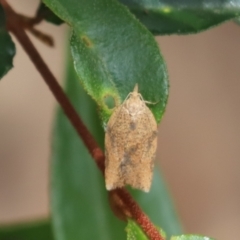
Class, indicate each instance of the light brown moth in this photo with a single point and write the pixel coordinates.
(130, 144)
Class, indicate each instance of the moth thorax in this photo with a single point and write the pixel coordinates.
(135, 107)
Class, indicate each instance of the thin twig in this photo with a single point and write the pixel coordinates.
(29, 23)
(50, 80)
(124, 206)
(129, 204)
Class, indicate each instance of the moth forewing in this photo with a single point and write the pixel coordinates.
(130, 143)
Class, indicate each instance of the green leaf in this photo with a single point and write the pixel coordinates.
(182, 16)
(190, 237)
(112, 52)
(157, 204)
(7, 49)
(40, 230)
(134, 232)
(79, 202)
(48, 15)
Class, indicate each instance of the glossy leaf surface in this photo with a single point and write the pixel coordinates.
(112, 52)
(182, 16)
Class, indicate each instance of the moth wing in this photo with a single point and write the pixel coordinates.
(130, 147)
(140, 151)
(149, 147)
(115, 133)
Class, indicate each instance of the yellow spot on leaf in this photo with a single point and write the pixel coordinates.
(87, 41)
(166, 9)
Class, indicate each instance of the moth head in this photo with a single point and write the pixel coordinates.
(134, 104)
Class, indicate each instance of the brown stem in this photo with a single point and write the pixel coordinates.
(50, 80)
(29, 23)
(124, 206)
(133, 210)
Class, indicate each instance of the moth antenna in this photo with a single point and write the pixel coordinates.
(147, 102)
(135, 88)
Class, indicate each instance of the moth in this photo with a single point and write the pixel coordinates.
(130, 144)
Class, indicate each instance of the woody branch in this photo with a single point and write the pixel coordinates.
(135, 212)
